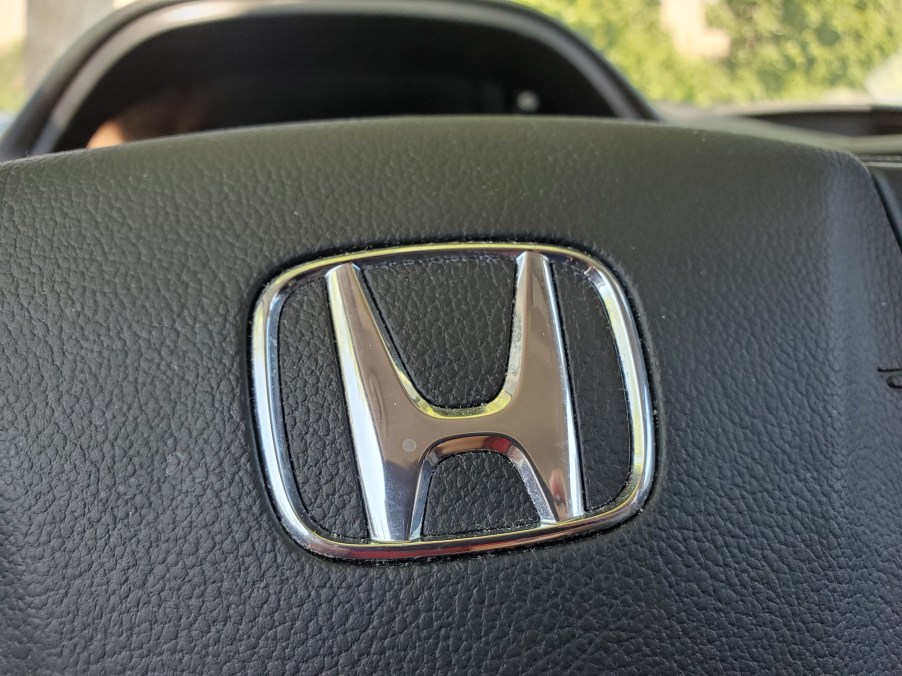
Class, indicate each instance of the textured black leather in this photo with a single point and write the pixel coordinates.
(477, 492)
(135, 534)
(450, 321)
(888, 177)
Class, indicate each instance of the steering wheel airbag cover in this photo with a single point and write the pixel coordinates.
(135, 532)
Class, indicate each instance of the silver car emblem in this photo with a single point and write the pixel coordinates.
(399, 437)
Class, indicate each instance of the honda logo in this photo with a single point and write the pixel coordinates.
(399, 437)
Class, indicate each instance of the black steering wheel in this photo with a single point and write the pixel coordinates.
(140, 527)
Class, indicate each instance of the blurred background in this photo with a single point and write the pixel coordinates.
(684, 52)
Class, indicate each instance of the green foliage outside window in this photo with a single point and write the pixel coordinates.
(778, 49)
(12, 89)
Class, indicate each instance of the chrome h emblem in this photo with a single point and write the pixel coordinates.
(399, 437)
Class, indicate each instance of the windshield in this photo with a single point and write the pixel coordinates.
(689, 52)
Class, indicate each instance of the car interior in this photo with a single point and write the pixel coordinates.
(258, 253)
(159, 69)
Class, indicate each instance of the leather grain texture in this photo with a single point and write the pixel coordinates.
(477, 493)
(450, 320)
(136, 535)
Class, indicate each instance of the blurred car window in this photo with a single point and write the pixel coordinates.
(685, 52)
(708, 52)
